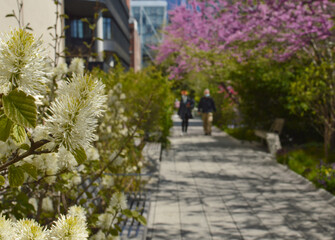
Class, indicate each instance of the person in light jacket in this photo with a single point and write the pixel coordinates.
(185, 110)
(206, 107)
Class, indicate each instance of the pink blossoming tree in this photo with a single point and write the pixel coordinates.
(204, 33)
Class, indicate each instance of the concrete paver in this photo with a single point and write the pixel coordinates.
(215, 187)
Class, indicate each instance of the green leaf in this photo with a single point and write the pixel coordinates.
(82, 201)
(118, 228)
(30, 169)
(15, 176)
(85, 20)
(10, 15)
(20, 108)
(142, 220)
(114, 232)
(135, 213)
(127, 213)
(64, 16)
(5, 126)
(19, 134)
(2, 180)
(25, 146)
(79, 155)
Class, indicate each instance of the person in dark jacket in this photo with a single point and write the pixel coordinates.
(184, 111)
(206, 107)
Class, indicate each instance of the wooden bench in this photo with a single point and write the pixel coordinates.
(272, 136)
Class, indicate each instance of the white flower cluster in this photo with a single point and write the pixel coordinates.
(77, 66)
(117, 203)
(74, 113)
(114, 123)
(107, 181)
(100, 235)
(23, 63)
(52, 163)
(72, 227)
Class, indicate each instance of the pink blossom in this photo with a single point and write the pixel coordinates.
(219, 26)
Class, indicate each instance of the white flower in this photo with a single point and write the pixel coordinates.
(70, 227)
(47, 163)
(7, 230)
(28, 229)
(60, 70)
(118, 201)
(22, 63)
(105, 220)
(124, 131)
(47, 205)
(77, 66)
(66, 160)
(123, 96)
(107, 181)
(98, 236)
(92, 153)
(39, 133)
(74, 113)
(75, 180)
(77, 211)
(118, 161)
(118, 87)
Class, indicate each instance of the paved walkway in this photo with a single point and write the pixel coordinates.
(214, 187)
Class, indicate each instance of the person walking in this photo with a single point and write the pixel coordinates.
(184, 111)
(206, 107)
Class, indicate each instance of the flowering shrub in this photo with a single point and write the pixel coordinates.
(66, 139)
(307, 163)
(70, 226)
(326, 177)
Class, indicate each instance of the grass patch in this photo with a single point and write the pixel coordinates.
(241, 133)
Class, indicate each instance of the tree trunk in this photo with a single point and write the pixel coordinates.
(327, 137)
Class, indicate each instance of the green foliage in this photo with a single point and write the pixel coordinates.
(5, 127)
(30, 169)
(313, 91)
(148, 94)
(313, 88)
(301, 163)
(326, 178)
(15, 176)
(263, 88)
(306, 161)
(20, 108)
(2, 180)
(19, 134)
(80, 155)
(242, 133)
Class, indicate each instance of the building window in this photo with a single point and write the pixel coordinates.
(107, 28)
(80, 29)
